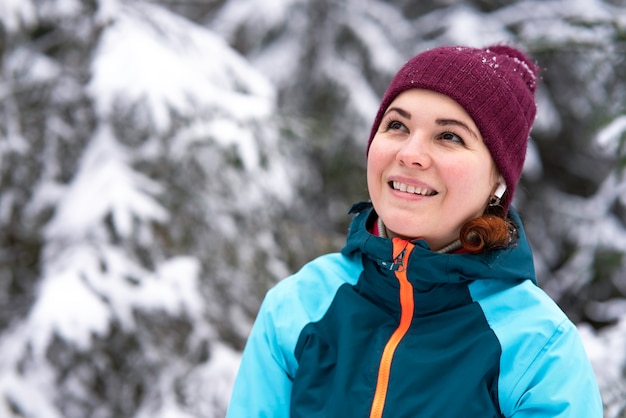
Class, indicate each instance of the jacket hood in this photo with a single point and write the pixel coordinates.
(514, 263)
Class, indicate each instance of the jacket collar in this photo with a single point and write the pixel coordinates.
(513, 264)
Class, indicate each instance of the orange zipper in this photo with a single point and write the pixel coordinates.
(401, 250)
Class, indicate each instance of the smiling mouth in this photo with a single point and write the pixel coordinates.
(396, 185)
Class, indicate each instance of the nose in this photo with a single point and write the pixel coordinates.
(415, 151)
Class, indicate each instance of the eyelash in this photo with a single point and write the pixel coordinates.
(390, 125)
(458, 140)
(393, 124)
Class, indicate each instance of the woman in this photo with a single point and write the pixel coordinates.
(431, 309)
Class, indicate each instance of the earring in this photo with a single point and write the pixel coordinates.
(497, 195)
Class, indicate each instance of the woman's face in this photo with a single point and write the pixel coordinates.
(428, 170)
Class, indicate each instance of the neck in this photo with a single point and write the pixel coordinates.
(453, 246)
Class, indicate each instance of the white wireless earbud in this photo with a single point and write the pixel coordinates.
(500, 190)
(497, 195)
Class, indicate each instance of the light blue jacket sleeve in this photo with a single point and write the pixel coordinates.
(544, 369)
(560, 381)
(263, 385)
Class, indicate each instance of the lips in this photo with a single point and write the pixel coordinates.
(407, 188)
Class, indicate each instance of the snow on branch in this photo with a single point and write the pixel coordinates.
(105, 185)
(610, 140)
(16, 13)
(148, 55)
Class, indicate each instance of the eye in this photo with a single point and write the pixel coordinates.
(451, 136)
(395, 125)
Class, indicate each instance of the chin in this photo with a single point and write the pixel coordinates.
(403, 233)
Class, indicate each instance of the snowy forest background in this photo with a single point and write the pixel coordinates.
(162, 163)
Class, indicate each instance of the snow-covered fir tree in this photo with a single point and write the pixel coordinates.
(136, 146)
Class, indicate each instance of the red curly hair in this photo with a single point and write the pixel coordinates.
(488, 232)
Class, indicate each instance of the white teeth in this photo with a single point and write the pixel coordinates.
(412, 189)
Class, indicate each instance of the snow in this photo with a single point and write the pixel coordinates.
(211, 384)
(59, 9)
(369, 31)
(533, 168)
(39, 68)
(16, 13)
(30, 394)
(547, 120)
(270, 14)
(467, 27)
(610, 139)
(187, 77)
(67, 307)
(89, 282)
(79, 300)
(229, 134)
(86, 286)
(607, 311)
(105, 184)
(364, 97)
(606, 352)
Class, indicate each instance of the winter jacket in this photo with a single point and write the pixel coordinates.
(389, 328)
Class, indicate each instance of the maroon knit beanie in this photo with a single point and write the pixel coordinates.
(494, 85)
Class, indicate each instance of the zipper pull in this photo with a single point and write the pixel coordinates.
(396, 265)
(398, 261)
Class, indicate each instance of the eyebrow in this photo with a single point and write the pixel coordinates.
(402, 112)
(441, 122)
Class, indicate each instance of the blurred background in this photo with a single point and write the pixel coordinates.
(164, 162)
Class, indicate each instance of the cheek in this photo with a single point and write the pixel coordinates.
(470, 179)
(375, 164)
(373, 176)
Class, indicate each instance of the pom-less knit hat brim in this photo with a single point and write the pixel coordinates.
(494, 85)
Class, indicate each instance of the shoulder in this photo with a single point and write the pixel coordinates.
(523, 317)
(541, 347)
(305, 296)
(318, 278)
(522, 302)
